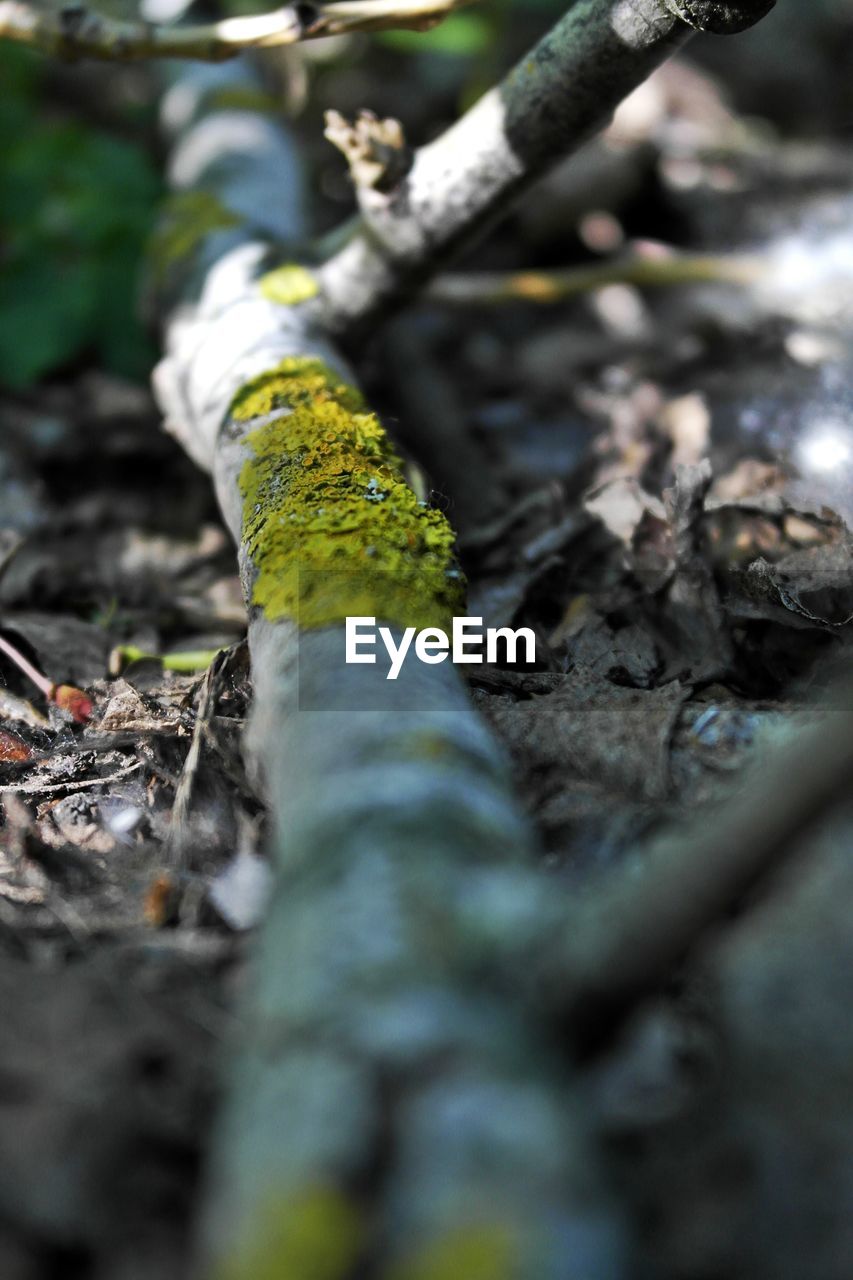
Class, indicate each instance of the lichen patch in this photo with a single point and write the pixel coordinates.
(289, 284)
(329, 523)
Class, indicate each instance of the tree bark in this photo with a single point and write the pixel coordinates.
(388, 1105)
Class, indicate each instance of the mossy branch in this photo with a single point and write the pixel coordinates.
(76, 31)
(389, 1108)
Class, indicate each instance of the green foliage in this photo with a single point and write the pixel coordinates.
(76, 206)
(466, 34)
(462, 35)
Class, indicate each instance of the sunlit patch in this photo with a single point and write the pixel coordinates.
(825, 448)
(638, 23)
(802, 263)
(812, 349)
(810, 275)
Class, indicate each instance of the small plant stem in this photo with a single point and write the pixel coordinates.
(23, 664)
(184, 661)
(546, 287)
(65, 696)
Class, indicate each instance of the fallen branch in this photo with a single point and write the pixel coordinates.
(76, 31)
(392, 1109)
(388, 1099)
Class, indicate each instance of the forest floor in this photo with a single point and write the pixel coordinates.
(659, 484)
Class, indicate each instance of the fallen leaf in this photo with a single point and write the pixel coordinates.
(13, 747)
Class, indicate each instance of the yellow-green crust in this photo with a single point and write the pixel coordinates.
(314, 1236)
(289, 284)
(320, 1235)
(329, 523)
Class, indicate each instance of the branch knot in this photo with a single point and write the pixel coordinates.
(376, 150)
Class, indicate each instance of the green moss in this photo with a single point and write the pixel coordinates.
(331, 526)
(485, 1252)
(289, 284)
(187, 218)
(316, 1236)
(244, 98)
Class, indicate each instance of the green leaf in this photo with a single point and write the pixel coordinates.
(45, 314)
(463, 35)
(76, 207)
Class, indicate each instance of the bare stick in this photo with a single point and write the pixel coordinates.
(546, 287)
(76, 31)
(389, 1089)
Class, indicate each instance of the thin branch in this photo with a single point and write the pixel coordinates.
(75, 31)
(545, 287)
(35, 786)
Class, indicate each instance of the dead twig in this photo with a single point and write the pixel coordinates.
(179, 826)
(75, 31)
(34, 787)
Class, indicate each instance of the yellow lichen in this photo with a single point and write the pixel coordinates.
(329, 523)
(485, 1252)
(534, 285)
(289, 284)
(315, 1236)
(187, 218)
